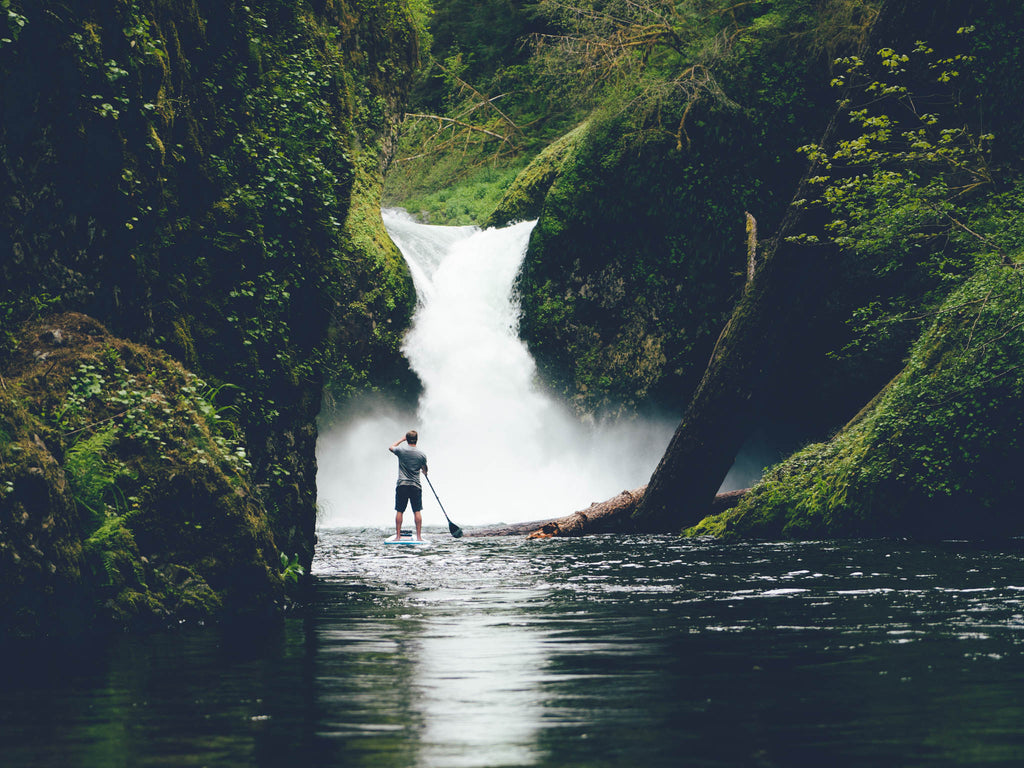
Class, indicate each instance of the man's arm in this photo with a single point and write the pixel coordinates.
(395, 445)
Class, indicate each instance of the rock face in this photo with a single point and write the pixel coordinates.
(640, 247)
(764, 346)
(638, 275)
(203, 178)
(936, 454)
(127, 498)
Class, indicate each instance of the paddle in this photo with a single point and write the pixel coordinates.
(455, 530)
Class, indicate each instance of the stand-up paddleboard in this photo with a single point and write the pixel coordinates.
(407, 538)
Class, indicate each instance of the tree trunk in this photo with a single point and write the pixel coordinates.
(766, 326)
(745, 363)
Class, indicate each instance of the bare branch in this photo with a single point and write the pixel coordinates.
(460, 123)
(482, 99)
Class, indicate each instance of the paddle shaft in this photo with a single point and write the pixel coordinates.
(455, 530)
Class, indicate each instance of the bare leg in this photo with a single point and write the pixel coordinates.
(398, 525)
(419, 524)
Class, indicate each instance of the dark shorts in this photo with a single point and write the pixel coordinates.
(406, 493)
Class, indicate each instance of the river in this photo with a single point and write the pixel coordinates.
(592, 653)
(577, 653)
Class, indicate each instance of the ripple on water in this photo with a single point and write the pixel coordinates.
(566, 651)
(852, 587)
(600, 652)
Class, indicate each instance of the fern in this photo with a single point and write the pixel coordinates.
(110, 568)
(113, 556)
(90, 475)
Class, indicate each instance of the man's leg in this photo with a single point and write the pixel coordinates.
(401, 502)
(416, 498)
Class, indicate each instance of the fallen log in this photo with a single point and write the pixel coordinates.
(611, 516)
(510, 529)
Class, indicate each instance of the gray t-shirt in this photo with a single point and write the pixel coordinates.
(410, 461)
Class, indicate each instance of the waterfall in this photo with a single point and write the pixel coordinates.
(499, 448)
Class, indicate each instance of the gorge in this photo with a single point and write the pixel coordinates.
(194, 189)
(654, 249)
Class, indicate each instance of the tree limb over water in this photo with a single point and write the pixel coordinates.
(611, 516)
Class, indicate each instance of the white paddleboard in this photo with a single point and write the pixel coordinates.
(404, 540)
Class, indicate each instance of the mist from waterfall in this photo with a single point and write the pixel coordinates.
(499, 447)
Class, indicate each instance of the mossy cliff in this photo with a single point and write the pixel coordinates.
(639, 271)
(524, 198)
(640, 248)
(936, 454)
(203, 178)
(904, 229)
(127, 496)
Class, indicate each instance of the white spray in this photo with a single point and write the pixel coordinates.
(499, 448)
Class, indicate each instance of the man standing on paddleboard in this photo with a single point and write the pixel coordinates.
(410, 461)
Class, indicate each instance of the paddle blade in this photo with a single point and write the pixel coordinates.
(456, 531)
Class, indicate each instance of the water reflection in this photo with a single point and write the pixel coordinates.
(601, 652)
(477, 691)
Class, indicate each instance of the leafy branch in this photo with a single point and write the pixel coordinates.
(910, 191)
(905, 171)
(662, 53)
(14, 22)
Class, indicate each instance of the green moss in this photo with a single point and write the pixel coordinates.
(522, 200)
(204, 178)
(143, 478)
(131, 592)
(116, 568)
(365, 340)
(642, 232)
(936, 453)
(632, 266)
(459, 197)
(40, 549)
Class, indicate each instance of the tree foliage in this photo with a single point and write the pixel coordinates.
(909, 187)
(658, 53)
(490, 99)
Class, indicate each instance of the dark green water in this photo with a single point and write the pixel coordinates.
(643, 652)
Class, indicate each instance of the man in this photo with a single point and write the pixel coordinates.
(410, 461)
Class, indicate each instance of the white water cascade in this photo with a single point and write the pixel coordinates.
(499, 448)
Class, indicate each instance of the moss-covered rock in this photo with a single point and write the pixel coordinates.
(371, 330)
(524, 198)
(629, 272)
(641, 247)
(126, 494)
(203, 177)
(40, 546)
(936, 454)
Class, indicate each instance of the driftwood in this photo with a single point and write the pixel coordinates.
(607, 517)
(612, 516)
(511, 529)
